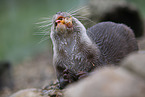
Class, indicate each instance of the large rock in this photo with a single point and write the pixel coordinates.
(108, 82)
(135, 63)
(125, 81)
(141, 43)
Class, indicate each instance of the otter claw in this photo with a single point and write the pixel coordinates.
(66, 76)
(82, 74)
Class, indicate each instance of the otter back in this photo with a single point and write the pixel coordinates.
(115, 41)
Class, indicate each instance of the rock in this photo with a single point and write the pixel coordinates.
(125, 81)
(108, 82)
(28, 93)
(141, 43)
(135, 63)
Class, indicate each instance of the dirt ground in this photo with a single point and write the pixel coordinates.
(33, 73)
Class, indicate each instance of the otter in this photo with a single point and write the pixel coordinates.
(78, 51)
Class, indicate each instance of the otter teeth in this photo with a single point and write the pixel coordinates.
(61, 27)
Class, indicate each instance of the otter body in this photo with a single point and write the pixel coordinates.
(114, 41)
(78, 51)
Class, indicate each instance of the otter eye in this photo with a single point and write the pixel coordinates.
(60, 18)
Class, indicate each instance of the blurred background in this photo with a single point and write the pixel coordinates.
(27, 59)
(17, 25)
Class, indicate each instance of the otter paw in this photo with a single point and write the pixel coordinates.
(82, 74)
(66, 76)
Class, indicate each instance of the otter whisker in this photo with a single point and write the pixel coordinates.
(39, 34)
(81, 15)
(45, 25)
(42, 33)
(85, 18)
(45, 18)
(78, 10)
(43, 22)
(44, 29)
(43, 39)
(71, 10)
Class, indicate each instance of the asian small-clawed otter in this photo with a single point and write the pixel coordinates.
(78, 51)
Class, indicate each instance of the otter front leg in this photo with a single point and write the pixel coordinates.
(70, 77)
(67, 77)
(64, 79)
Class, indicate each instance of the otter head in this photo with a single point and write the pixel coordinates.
(65, 24)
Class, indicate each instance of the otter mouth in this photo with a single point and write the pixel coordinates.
(63, 23)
